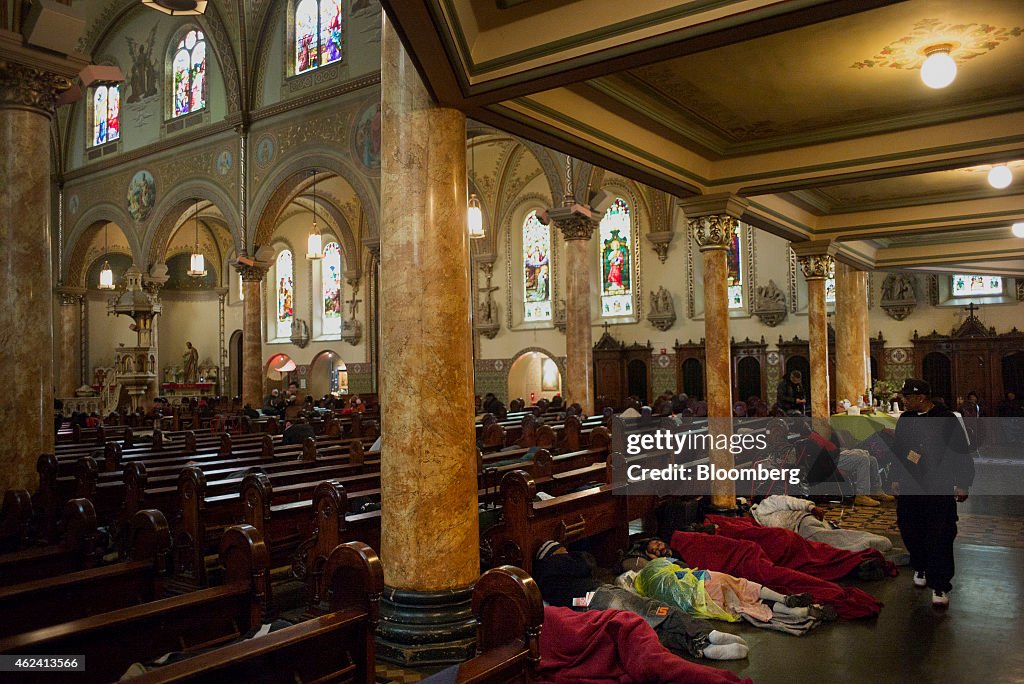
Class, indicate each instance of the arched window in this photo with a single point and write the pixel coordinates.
(330, 278)
(971, 284)
(536, 270)
(285, 294)
(317, 34)
(106, 108)
(734, 259)
(188, 74)
(616, 261)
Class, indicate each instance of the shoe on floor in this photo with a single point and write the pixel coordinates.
(920, 580)
(871, 569)
(799, 600)
(825, 613)
(883, 497)
(940, 599)
(863, 500)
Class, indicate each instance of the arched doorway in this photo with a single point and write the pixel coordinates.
(280, 371)
(235, 362)
(534, 376)
(327, 375)
(693, 379)
(1013, 373)
(748, 380)
(936, 369)
(800, 363)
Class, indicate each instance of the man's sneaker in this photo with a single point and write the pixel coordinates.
(919, 580)
(940, 599)
(863, 500)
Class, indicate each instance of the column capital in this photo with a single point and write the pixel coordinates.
(575, 222)
(70, 296)
(372, 246)
(816, 257)
(712, 231)
(254, 272)
(27, 87)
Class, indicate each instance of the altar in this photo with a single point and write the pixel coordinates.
(187, 390)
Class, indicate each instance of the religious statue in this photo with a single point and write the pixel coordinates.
(899, 296)
(191, 362)
(770, 304)
(663, 312)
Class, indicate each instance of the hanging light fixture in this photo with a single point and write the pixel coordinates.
(177, 7)
(1018, 229)
(315, 243)
(106, 274)
(197, 262)
(938, 69)
(475, 214)
(1000, 176)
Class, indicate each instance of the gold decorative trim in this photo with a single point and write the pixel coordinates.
(576, 227)
(817, 266)
(25, 87)
(713, 231)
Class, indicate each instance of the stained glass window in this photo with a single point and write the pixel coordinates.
(188, 73)
(830, 290)
(536, 270)
(285, 294)
(106, 110)
(734, 260)
(616, 261)
(317, 34)
(967, 285)
(331, 286)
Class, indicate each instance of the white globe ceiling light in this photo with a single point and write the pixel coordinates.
(1000, 176)
(177, 7)
(939, 69)
(1018, 229)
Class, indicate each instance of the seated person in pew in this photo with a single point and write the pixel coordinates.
(720, 596)
(567, 580)
(296, 433)
(808, 520)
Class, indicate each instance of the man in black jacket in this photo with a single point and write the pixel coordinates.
(933, 471)
(791, 395)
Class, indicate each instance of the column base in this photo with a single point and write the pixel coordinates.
(426, 627)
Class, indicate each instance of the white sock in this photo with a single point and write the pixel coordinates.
(719, 638)
(767, 594)
(726, 652)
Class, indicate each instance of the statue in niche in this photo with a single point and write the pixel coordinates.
(190, 359)
(899, 295)
(770, 304)
(663, 312)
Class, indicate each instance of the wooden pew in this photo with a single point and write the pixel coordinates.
(335, 647)
(77, 550)
(113, 640)
(15, 519)
(139, 578)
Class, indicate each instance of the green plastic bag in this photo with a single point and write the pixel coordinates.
(663, 580)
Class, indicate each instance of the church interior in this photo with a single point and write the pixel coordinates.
(331, 313)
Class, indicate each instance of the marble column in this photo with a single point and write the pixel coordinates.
(69, 373)
(853, 351)
(252, 333)
(713, 233)
(27, 103)
(429, 526)
(577, 228)
(817, 267)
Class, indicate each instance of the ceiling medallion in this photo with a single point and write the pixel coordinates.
(965, 41)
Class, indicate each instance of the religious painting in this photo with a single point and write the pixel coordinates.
(967, 285)
(536, 270)
(366, 137)
(265, 151)
(141, 195)
(616, 261)
(285, 294)
(188, 74)
(734, 262)
(144, 77)
(331, 288)
(73, 203)
(225, 160)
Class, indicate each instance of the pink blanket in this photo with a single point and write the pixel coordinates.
(613, 646)
(746, 559)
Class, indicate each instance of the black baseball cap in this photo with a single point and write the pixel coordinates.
(915, 386)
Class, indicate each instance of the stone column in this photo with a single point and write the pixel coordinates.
(69, 373)
(577, 227)
(713, 233)
(222, 349)
(817, 263)
(252, 333)
(429, 529)
(27, 103)
(853, 351)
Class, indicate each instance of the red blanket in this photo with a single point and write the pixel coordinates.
(790, 550)
(746, 559)
(613, 647)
